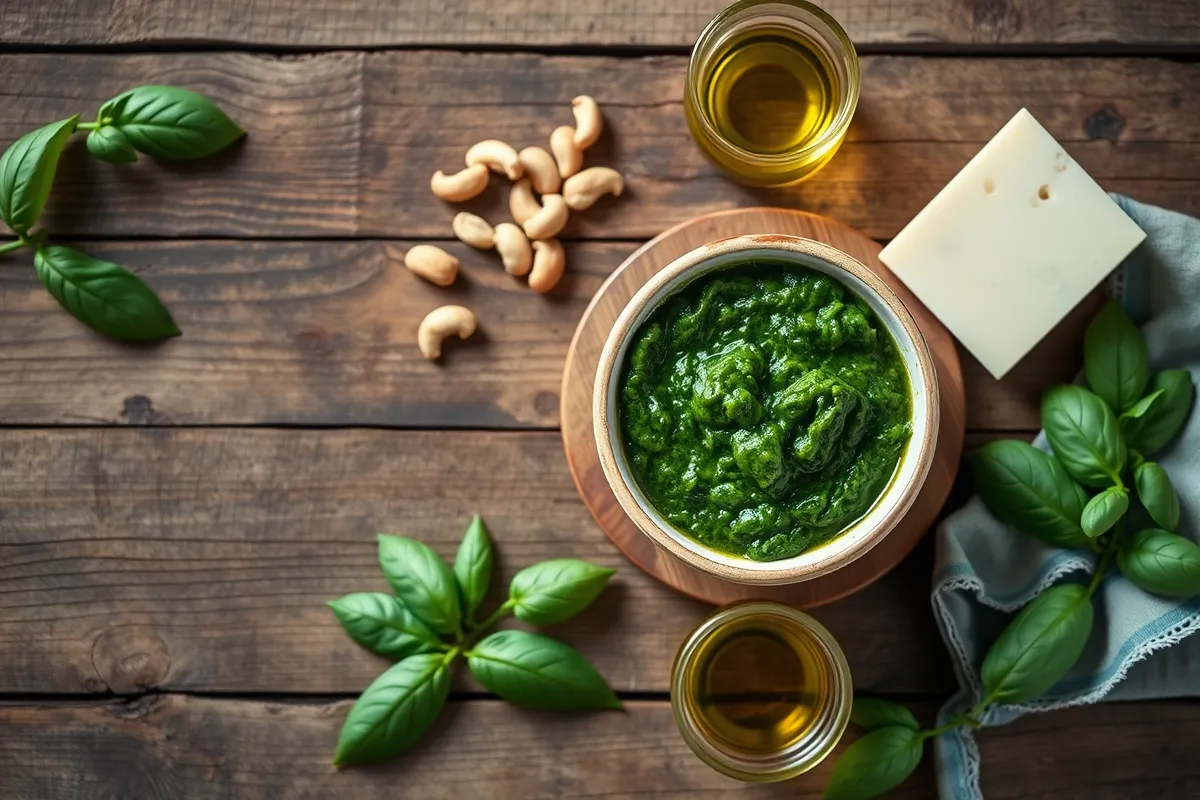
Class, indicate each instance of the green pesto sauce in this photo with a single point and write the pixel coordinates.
(764, 409)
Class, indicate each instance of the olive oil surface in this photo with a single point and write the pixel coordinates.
(758, 688)
(771, 91)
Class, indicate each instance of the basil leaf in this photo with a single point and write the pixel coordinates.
(870, 713)
(170, 123)
(1103, 511)
(556, 590)
(1157, 494)
(1083, 432)
(473, 567)
(1140, 409)
(1039, 646)
(538, 672)
(109, 144)
(1160, 562)
(381, 623)
(102, 295)
(1114, 358)
(1029, 490)
(1152, 430)
(27, 172)
(877, 762)
(422, 581)
(394, 711)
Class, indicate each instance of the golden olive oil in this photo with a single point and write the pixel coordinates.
(757, 687)
(771, 88)
(771, 92)
(761, 691)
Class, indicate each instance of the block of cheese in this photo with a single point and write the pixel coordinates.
(1012, 244)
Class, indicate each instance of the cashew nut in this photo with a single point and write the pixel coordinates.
(566, 153)
(473, 230)
(549, 264)
(588, 122)
(521, 202)
(461, 185)
(550, 220)
(497, 156)
(541, 169)
(440, 323)
(514, 249)
(584, 188)
(432, 263)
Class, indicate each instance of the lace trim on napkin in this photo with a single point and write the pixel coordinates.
(961, 743)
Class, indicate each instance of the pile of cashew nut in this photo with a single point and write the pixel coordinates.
(528, 247)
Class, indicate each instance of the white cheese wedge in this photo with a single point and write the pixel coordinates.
(1012, 244)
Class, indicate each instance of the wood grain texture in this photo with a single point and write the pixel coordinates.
(343, 144)
(331, 328)
(540, 23)
(299, 333)
(171, 746)
(202, 559)
(579, 442)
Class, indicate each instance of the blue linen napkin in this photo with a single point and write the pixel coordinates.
(985, 570)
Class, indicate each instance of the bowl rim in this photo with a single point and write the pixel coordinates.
(673, 278)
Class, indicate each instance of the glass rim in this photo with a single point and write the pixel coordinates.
(797, 758)
(835, 130)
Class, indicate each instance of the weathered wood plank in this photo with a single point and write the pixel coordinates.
(201, 559)
(171, 746)
(298, 333)
(343, 144)
(541, 23)
(298, 174)
(331, 328)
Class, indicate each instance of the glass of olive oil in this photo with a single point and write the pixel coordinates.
(761, 692)
(771, 88)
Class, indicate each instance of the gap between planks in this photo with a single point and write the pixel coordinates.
(1185, 53)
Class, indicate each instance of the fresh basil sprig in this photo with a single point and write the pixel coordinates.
(876, 763)
(1103, 511)
(1037, 493)
(393, 713)
(1029, 490)
(110, 144)
(103, 295)
(430, 622)
(169, 123)
(383, 625)
(1151, 430)
(473, 568)
(1039, 646)
(1084, 435)
(1160, 562)
(162, 121)
(554, 591)
(422, 581)
(1114, 358)
(1157, 494)
(27, 172)
(870, 713)
(538, 672)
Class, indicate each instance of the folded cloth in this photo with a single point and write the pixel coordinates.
(985, 570)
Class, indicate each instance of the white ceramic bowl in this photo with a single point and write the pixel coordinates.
(914, 463)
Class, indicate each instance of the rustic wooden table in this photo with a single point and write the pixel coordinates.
(173, 518)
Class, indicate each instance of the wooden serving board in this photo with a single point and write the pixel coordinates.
(579, 379)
